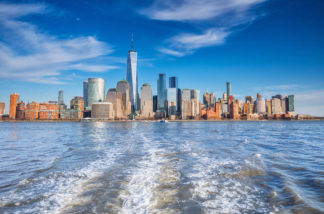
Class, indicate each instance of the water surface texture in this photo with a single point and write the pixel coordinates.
(151, 167)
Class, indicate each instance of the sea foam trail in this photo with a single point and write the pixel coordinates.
(223, 185)
(153, 185)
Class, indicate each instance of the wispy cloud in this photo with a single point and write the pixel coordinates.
(187, 43)
(39, 57)
(226, 13)
(191, 10)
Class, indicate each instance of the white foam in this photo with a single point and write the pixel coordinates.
(144, 193)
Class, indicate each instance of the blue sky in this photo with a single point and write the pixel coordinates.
(258, 45)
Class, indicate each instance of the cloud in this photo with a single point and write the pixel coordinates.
(27, 54)
(224, 15)
(186, 43)
(191, 10)
(93, 68)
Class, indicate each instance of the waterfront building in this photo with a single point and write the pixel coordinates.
(260, 105)
(240, 105)
(213, 113)
(48, 111)
(14, 99)
(161, 93)
(283, 105)
(20, 113)
(233, 108)
(172, 100)
(173, 83)
(185, 104)
(276, 106)
(124, 88)
(146, 102)
(195, 103)
(228, 86)
(60, 97)
(212, 99)
(268, 107)
(102, 110)
(32, 111)
(96, 91)
(291, 103)
(85, 94)
(115, 97)
(155, 101)
(75, 111)
(206, 100)
(2, 109)
(132, 77)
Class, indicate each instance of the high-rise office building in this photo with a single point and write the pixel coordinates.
(60, 97)
(228, 86)
(260, 105)
(132, 77)
(14, 99)
(276, 106)
(172, 98)
(115, 97)
(173, 82)
(124, 88)
(155, 100)
(96, 91)
(161, 93)
(206, 100)
(146, 101)
(291, 103)
(85, 94)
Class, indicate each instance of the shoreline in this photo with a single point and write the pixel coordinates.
(152, 121)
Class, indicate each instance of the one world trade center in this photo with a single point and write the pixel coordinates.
(132, 77)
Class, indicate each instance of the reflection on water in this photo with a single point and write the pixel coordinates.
(185, 167)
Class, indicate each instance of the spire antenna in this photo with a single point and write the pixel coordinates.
(132, 44)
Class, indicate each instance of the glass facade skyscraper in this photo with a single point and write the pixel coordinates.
(161, 92)
(173, 82)
(229, 93)
(132, 78)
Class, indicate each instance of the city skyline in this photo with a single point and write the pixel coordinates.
(52, 58)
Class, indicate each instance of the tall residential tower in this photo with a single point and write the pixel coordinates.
(132, 78)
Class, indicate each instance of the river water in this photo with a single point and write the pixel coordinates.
(151, 167)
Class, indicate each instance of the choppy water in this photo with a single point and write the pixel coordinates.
(149, 167)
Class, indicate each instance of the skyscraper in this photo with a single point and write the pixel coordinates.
(14, 99)
(85, 94)
(173, 82)
(228, 85)
(96, 91)
(146, 101)
(132, 77)
(60, 98)
(124, 88)
(291, 103)
(161, 93)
